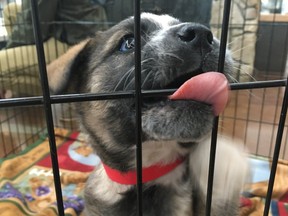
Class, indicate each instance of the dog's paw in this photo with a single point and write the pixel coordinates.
(230, 171)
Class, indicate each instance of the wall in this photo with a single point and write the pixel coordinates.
(242, 33)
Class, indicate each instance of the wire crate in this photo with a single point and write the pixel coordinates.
(256, 113)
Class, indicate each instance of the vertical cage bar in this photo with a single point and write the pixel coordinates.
(138, 99)
(277, 148)
(221, 63)
(47, 105)
(224, 35)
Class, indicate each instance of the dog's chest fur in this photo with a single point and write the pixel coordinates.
(110, 198)
(168, 195)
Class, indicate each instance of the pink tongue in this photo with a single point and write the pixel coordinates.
(211, 88)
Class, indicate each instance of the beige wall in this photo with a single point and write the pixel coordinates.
(242, 33)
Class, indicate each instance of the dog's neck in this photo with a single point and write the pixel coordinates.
(148, 173)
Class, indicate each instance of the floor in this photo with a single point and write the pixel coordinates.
(251, 116)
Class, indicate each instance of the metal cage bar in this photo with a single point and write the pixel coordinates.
(276, 153)
(221, 62)
(138, 102)
(46, 100)
(47, 105)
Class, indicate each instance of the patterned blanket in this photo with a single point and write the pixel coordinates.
(26, 180)
(27, 187)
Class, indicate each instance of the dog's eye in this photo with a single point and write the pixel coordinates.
(127, 44)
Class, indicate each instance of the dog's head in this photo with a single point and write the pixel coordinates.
(172, 52)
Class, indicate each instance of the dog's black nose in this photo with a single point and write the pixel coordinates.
(195, 34)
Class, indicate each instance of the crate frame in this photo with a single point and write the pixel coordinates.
(47, 100)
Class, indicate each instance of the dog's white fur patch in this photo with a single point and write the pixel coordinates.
(106, 189)
(165, 152)
(164, 21)
(230, 168)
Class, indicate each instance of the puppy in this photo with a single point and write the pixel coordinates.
(176, 130)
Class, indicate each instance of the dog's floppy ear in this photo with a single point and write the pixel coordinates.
(59, 71)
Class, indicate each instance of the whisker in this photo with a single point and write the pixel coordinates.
(173, 56)
(146, 61)
(155, 77)
(241, 68)
(126, 80)
(242, 48)
(232, 78)
(233, 41)
(146, 78)
(126, 75)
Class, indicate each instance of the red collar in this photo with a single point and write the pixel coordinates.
(148, 173)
